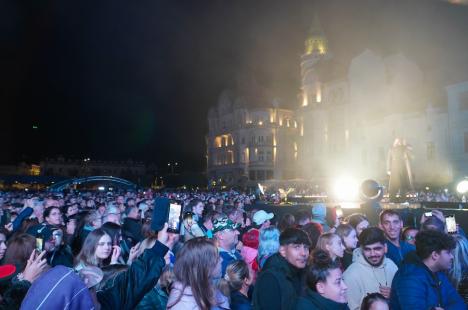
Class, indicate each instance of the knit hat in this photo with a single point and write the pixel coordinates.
(250, 238)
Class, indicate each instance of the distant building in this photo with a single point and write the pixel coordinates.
(352, 114)
(251, 139)
(346, 121)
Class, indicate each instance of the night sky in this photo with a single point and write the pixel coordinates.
(114, 80)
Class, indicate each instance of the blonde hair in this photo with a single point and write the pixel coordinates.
(236, 273)
(460, 260)
(326, 239)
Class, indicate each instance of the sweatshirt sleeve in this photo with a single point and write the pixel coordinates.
(354, 292)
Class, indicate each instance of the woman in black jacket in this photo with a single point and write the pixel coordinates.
(325, 287)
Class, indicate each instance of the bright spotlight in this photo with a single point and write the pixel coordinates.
(462, 187)
(101, 188)
(346, 189)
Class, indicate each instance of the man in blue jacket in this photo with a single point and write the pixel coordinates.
(421, 283)
(392, 224)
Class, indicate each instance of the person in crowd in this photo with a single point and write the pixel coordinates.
(268, 244)
(303, 218)
(3, 243)
(198, 264)
(115, 232)
(131, 227)
(208, 223)
(249, 251)
(392, 224)
(374, 301)
(70, 209)
(53, 216)
(332, 244)
(286, 221)
(433, 223)
(97, 248)
(458, 274)
(53, 242)
(358, 221)
(157, 298)
(93, 220)
(227, 237)
(280, 282)
(19, 250)
(319, 216)
(349, 238)
(239, 277)
(325, 288)
(14, 285)
(314, 231)
(261, 219)
(372, 272)
(112, 214)
(420, 282)
(409, 235)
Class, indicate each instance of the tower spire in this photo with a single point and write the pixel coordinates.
(316, 42)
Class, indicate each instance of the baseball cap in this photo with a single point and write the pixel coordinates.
(262, 216)
(223, 224)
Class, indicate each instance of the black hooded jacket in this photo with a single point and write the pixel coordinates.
(278, 285)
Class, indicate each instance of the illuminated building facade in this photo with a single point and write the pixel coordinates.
(249, 141)
(352, 114)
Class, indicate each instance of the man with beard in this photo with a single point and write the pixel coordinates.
(372, 272)
(421, 283)
(392, 224)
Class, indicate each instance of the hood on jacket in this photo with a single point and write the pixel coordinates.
(58, 288)
(278, 262)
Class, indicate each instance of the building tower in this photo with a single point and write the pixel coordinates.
(312, 113)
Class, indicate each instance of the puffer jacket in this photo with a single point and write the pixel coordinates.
(415, 287)
(278, 285)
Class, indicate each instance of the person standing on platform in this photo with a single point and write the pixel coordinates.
(399, 170)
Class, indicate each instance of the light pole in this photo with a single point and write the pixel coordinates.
(172, 166)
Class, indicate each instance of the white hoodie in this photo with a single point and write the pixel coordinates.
(362, 278)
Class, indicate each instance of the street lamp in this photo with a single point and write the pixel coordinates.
(172, 165)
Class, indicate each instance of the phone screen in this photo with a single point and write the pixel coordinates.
(174, 217)
(39, 244)
(451, 224)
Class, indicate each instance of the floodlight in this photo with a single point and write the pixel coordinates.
(346, 188)
(462, 187)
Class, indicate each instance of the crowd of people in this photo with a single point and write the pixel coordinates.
(98, 250)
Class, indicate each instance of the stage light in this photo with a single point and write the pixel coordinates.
(101, 188)
(346, 188)
(462, 187)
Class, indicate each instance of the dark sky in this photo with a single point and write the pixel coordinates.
(116, 79)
